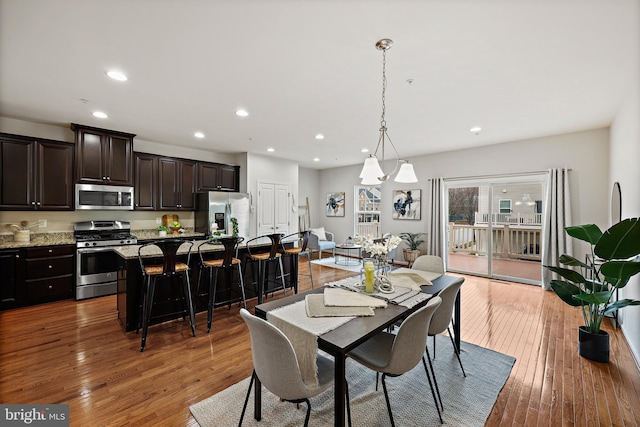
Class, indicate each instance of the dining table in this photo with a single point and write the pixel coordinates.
(341, 340)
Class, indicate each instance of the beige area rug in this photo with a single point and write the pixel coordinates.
(467, 401)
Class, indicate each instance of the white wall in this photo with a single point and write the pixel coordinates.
(309, 187)
(273, 170)
(624, 159)
(586, 153)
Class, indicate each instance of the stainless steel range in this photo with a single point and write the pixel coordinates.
(97, 264)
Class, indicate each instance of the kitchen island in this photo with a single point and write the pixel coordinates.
(169, 299)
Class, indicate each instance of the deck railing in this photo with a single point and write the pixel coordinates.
(519, 242)
(510, 218)
(369, 229)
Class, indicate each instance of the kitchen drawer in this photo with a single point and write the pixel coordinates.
(49, 289)
(49, 267)
(49, 251)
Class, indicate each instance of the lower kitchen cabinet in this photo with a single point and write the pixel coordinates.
(12, 290)
(49, 273)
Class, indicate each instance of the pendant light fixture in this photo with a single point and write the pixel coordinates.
(372, 173)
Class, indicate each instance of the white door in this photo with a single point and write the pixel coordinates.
(273, 208)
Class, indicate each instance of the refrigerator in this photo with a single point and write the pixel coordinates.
(214, 207)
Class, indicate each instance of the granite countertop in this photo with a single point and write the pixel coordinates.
(131, 251)
(37, 239)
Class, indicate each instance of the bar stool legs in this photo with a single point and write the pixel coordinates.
(213, 287)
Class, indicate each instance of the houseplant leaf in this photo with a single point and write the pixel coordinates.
(589, 233)
(620, 241)
(594, 298)
(571, 275)
(571, 261)
(566, 291)
(619, 304)
(618, 272)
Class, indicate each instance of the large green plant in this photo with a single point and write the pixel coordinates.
(591, 289)
(412, 239)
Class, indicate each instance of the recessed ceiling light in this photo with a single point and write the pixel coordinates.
(271, 149)
(475, 129)
(316, 159)
(319, 136)
(364, 150)
(117, 75)
(199, 135)
(242, 113)
(100, 114)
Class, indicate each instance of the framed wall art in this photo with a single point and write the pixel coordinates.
(406, 204)
(335, 204)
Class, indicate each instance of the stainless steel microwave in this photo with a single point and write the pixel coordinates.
(104, 197)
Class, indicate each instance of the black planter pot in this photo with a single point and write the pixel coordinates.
(593, 346)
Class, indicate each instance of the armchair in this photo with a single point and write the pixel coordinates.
(321, 240)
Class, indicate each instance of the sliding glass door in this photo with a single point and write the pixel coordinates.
(495, 227)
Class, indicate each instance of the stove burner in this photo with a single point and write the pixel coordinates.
(103, 233)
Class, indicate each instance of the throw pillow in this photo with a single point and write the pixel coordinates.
(319, 232)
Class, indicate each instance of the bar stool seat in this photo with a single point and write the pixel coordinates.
(152, 272)
(264, 258)
(227, 263)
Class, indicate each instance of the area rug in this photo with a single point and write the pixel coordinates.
(331, 262)
(467, 401)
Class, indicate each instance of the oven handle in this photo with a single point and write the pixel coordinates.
(99, 249)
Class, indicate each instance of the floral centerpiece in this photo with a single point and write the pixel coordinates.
(378, 248)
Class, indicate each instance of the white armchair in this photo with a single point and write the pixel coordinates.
(321, 240)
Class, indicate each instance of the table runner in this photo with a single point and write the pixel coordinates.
(303, 332)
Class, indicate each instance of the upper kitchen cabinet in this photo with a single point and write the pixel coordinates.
(218, 177)
(103, 156)
(176, 179)
(35, 174)
(146, 182)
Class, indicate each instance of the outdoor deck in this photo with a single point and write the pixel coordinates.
(524, 269)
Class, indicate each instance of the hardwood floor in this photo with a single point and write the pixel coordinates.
(75, 352)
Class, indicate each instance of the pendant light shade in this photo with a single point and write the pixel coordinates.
(372, 173)
(406, 173)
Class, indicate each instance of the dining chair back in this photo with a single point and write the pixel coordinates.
(276, 366)
(295, 244)
(393, 355)
(431, 263)
(443, 317)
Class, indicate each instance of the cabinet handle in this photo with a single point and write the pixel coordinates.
(50, 286)
(50, 267)
(37, 203)
(33, 203)
(50, 251)
(108, 178)
(17, 256)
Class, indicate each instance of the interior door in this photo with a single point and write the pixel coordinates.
(273, 208)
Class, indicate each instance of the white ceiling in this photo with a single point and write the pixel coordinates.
(517, 68)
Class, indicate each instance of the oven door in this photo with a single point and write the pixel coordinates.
(95, 266)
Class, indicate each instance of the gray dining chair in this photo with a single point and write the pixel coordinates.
(394, 354)
(431, 263)
(443, 317)
(276, 366)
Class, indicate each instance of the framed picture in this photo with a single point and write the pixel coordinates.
(335, 204)
(406, 204)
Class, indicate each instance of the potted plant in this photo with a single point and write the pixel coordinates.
(162, 230)
(413, 241)
(608, 269)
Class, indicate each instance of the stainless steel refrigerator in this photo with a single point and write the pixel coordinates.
(218, 208)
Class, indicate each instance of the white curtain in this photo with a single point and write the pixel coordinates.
(557, 216)
(435, 237)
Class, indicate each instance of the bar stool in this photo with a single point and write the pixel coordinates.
(227, 263)
(264, 258)
(169, 269)
(299, 248)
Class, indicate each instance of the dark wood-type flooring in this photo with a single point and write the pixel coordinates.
(75, 352)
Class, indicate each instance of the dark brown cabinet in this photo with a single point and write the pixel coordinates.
(218, 177)
(49, 273)
(176, 181)
(146, 182)
(35, 174)
(103, 156)
(12, 283)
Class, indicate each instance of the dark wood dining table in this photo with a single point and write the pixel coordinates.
(345, 338)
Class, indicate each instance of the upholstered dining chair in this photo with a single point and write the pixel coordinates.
(443, 317)
(169, 269)
(276, 366)
(394, 354)
(431, 263)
